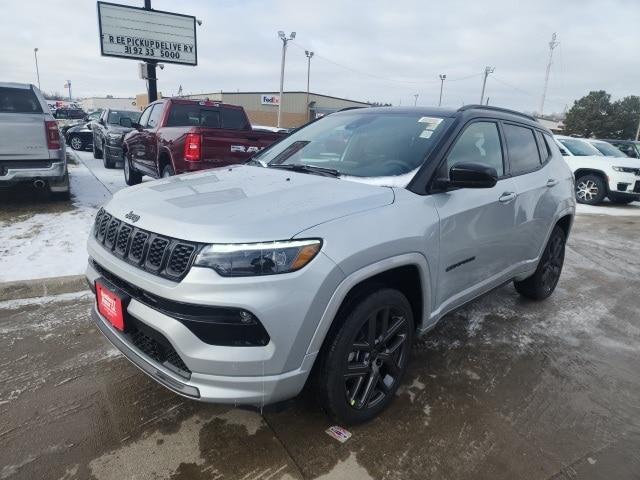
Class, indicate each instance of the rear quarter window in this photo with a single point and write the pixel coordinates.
(523, 150)
(19, 100)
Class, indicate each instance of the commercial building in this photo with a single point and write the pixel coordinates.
(262, 107)
(96, 103)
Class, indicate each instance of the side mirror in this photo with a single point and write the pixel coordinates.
(101, 121)
(126, 122)
(137, 126)
(472, 175)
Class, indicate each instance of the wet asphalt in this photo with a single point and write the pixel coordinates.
(504, 388)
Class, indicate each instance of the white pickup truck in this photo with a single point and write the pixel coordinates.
(599, 176)
(31, 148)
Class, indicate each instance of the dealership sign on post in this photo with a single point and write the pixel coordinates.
(147, 35)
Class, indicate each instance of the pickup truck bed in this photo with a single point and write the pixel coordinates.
(175, 136)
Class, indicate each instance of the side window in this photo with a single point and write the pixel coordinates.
(522, 148)
(233, 119)
(154, 117)
(144, 118)
(543, 148)
(479, 143)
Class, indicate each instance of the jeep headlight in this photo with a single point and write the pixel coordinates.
(252, 259)
(625, 169)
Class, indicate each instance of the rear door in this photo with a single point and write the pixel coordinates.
(536, 184)
(22, 127)
(149, 142)
(477, 226)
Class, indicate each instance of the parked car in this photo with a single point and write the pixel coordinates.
(108, 134)
(331, 250)
(80, 137)
(599, 176)
(176, 136)
(31, 151)
(607, 149)
(68, 117)
(631, 148)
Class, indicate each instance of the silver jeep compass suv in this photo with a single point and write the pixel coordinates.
(330, 251)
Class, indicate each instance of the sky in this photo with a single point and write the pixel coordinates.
(382, 51)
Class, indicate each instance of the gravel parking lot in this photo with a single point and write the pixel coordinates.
(504, 388)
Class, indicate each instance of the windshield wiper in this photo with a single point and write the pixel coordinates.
(327, 172)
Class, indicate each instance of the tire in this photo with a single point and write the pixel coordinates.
(131, 176)
(97, 153)
(76, 142)
(108, 163)
(621, 200)
(167, 171)
(590, 189)
(543, 282)
(357, 393)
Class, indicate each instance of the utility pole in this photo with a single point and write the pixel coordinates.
(68, 85)
(285, 40)
(552, 44)
(152, 85)
(35, 54)
(308, 55)
(415, 99)
(443, 77)
(487, 71)
(638, 131)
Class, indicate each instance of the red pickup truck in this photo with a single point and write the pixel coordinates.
(176, 136)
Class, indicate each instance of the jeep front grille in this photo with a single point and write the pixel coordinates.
(164, 256)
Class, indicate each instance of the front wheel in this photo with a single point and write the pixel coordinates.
(76, 142)
(364, 360)
(543, 282)
(590, 189)
(131, 176)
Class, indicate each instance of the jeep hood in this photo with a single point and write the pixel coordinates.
(242, 204)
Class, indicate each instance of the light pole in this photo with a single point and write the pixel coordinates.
(35, 54)
(487, 71)
(415, 99)
(308, 55)
(443, 77)
(552, 44)
(285, 40)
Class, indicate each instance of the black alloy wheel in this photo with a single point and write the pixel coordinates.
(376, 359)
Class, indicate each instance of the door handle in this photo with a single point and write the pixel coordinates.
(507, 197)
(552, 182)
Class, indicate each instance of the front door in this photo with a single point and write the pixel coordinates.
(476, 225)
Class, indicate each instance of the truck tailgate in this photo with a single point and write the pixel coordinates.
(22, 137)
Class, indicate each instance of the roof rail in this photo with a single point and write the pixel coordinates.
(496, 109)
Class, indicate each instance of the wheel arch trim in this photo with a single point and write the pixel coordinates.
(339, 295)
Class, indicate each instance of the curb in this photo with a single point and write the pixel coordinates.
(42, 287)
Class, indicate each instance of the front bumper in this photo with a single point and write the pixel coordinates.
(623, 183)
(288, 306)
(114, 153)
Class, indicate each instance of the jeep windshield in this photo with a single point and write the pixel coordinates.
(382, 148)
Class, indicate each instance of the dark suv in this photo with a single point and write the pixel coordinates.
(108, 133)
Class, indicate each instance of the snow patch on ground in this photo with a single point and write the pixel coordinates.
(53, 244)
(63, 297)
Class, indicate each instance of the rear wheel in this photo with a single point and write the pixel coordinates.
(364, 360)
(131, 176)
(590, 189)
(76, 142)
(541, 284)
